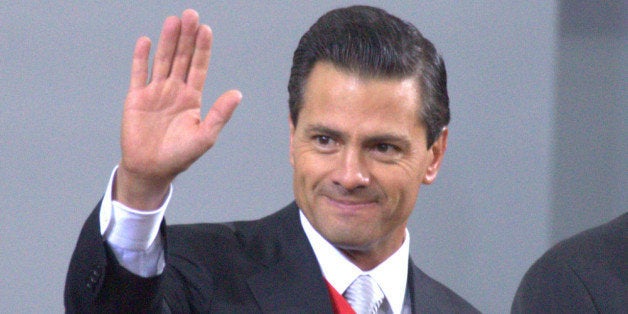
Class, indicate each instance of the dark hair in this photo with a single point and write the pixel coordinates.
(372, 43)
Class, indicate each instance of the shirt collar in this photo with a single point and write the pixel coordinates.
(391, 275)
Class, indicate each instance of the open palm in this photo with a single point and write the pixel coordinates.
(163, 131)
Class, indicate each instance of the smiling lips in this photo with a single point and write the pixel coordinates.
(349, 204)
(352, 200)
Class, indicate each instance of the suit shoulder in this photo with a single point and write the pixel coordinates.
(258, 239)
(587, 271)
(602, 247)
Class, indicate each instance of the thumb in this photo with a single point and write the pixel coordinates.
(218, 115)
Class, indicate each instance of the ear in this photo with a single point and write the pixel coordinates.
(437, 153)
(292, 129)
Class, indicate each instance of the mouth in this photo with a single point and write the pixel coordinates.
(348, 204)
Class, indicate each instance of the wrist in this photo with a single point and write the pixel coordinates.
(139, 192)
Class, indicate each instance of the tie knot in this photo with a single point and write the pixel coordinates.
(364, 295)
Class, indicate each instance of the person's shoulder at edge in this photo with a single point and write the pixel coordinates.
(585, 272)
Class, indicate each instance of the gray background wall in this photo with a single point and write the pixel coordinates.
(537, 147)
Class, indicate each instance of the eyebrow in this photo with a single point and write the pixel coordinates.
(318, 128)
(389, 138)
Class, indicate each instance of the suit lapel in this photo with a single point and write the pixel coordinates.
(430, 296)
(278, 290)
(417, 293)
(292, 281)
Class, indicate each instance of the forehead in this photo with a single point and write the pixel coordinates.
(361, 107)
(332, 89)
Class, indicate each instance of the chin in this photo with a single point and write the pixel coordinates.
(347, 238)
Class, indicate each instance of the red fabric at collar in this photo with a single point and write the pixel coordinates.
(338, 302)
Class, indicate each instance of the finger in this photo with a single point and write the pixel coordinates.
(139, 67)
(185, 46)
(200, 60)
(166, 48)
(218, 115)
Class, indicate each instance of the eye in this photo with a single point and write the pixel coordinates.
(386, 148)
(386, 152)
(325, 143)
(323, 140)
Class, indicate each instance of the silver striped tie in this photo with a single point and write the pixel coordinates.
(364, 295)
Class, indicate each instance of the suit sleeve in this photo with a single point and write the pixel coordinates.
(95, 282)
(552, 286)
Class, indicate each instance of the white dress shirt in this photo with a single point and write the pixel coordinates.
(133, 234)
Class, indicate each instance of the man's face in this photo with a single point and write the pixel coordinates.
(359, 155)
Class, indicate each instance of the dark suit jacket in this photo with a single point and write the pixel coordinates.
(265, 266)
(587, 273)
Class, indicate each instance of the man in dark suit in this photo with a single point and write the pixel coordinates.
(587, 273)
(368, 126)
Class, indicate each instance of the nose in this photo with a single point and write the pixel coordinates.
(351, 172)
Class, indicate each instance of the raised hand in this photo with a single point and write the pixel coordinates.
(163, 131)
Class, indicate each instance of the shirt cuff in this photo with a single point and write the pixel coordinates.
(129, 228)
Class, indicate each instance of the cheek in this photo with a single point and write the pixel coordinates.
(401, 188)
(307, 162)
(308, 171)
